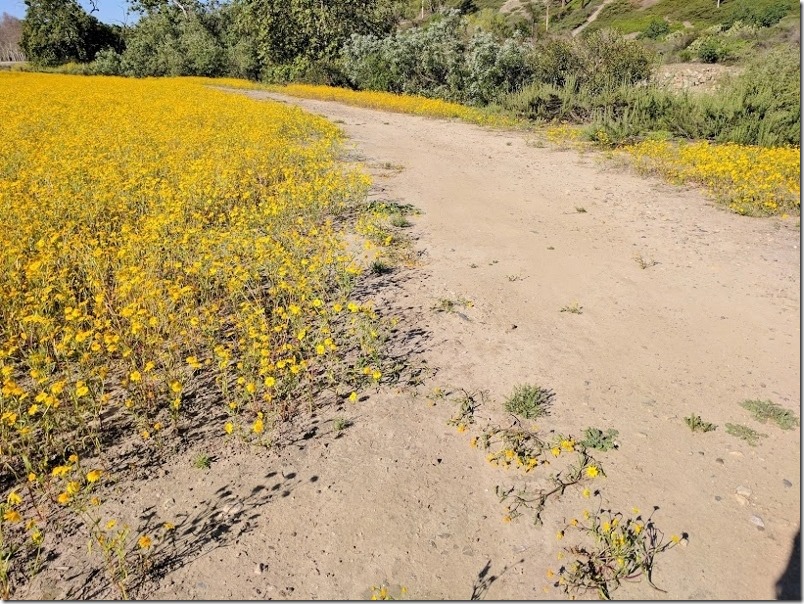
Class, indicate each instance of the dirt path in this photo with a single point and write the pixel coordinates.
(401, 497)
(592, 18)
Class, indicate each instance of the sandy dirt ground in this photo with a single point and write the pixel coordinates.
(400, 497)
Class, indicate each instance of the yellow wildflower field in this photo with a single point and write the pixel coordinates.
(751, 180)
(161, 239)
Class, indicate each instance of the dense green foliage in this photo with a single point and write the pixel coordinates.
(59, 31)
(443, 60)
(468, 51)
(762, 106)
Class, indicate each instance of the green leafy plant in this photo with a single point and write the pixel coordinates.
(574, 309)
(696, 424)
(749, 435)
(202, 461)
(339, 424)
(768, 410)
(594, 438)
(529, 401)
(378, 267)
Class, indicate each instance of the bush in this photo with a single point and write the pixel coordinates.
(169, 43)
(710, 49)
(442, 60)
(601, 60)
(107, 62)
(656, 29)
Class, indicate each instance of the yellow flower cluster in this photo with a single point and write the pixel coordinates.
(752, 180)
(154, 233)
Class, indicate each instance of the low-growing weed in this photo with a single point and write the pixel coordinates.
(448, 305)
(378, 267)
(469, 402)
(645, 262)
(617, 548)
(768, 410)
(202, 461)
(529, 401)
(339, 424)
(696, 424)
(749, 435)
(574, 309)
(594, 438)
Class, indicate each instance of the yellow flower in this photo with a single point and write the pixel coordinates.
(560, 535)
(73, 458)
(144, 542)
(31, 477)
(353, 397)
(506, 518)
(135, 376)
(592, 471)
(73, 487)
(93, 476)
(586, 493)
(228, 427)
(461, 428)
(60, 471)
(258, 427)
(320, 349)
(376, 375)
(12, 516)
(555, 451)
(111, 524)
(175, 387)
(63, 498)
(14, 498)
(675, 539)
(193, 362)
(168, 526)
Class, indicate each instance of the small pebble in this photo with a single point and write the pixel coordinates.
(718, 498)
(744, 491)
(719, 460)
(741, 500)
(736, 453)
(258, 569)
(787, 483)
(232, 508)
(757, 521)
(642, 435)
(168, 503)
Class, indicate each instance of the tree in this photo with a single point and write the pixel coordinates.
(60, 31)
(10, 38)
(286, 30)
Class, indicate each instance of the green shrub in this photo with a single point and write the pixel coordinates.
(107, 62)
(529, 401)
(442, 60)
(656, 29)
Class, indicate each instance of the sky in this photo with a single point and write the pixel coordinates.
(109, 11)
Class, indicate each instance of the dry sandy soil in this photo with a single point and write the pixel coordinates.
(400, 497)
